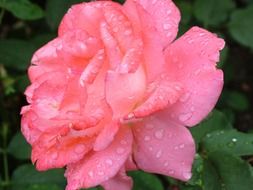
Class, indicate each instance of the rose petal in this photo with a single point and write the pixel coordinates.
(163, 93)
(191, 60)
(123, 91)
(164, 147)
(100, 166)
(56, 150)
(106, 136)
(165, 15)
(120, 181)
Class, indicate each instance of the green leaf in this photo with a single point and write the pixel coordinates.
(214, 12)
(55, 10)
(216, 120)
(234, 172)
(16, 54)
(145, 181)
(44, 187)
(241, 26)
(210, 177)
(21, 83)
(236, 100)
(197, 170)
(231, 141)
(26, 177)
(19, 148)
(22, 9)
(186, 10)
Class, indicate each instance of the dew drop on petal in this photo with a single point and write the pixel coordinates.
(55, 155)
(159, 154)
(159, 134)
(90, 173)
(171, 172)
(147, 138)
(187, 175)
(109, 162)
(181, 145)
(185, 116)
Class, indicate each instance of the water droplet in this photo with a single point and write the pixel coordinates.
(159, 154)
(90, 173)
(150, 148)
(128, 32)
(159, 134)
(187, 175)
(176, 148)
(234, 140)
(201, 34)
(120, 150)
(166, 163)
(185, 97)
(185, 117)
(181, 145)
(166, 26)
(109, 162)
(79, 148)
(54, 155)
(147, 138)
(192, 109)
(169, 34)
(130, 116)
(171, 172)
(208, 135)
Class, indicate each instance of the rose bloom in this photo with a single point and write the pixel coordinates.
(115, 91)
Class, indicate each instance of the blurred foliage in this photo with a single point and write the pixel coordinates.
(224, 139)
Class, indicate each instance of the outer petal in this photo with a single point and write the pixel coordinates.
(164, 147)
(165, 14)
(191, 60)
(100, 166)
(120, 181)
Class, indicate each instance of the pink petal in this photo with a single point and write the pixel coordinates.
(122, 93)
(164, 147)
(84, 16)
(121, 181)
(106, 136)
(57, 150)
(152, 45)
(98, 167)
(163, 93)
(191, 60)
(165, 15)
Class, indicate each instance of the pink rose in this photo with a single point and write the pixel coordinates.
(114, 92)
